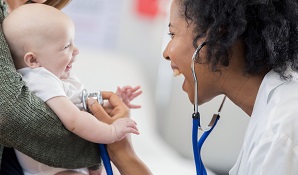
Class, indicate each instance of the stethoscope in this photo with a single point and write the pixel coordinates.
(102, 147)
(197, 144)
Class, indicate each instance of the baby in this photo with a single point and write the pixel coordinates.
(43, 51)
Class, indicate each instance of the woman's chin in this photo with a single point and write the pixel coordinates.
(191, 99)
(186, 89)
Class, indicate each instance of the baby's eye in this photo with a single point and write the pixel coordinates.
(67, 46)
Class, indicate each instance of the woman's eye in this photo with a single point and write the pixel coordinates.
(171, 34)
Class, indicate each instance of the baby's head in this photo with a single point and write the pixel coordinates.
(40, 36)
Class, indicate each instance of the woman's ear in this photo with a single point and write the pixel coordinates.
(31, 60)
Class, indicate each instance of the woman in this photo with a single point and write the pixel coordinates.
(250, 54)
(27, 124)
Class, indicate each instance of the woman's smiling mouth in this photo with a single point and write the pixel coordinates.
(176, 71)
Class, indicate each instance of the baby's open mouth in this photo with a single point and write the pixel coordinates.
(69, 66)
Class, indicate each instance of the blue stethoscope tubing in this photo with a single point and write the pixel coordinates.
(197, 144)
(102, 147)
(105, 158)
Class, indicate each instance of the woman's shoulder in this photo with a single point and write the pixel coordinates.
(283, 110)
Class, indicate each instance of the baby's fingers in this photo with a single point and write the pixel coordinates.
(135, 88)
(119, 91)
(132, 106)
(132, 127)
(134, 95)
(134, 131)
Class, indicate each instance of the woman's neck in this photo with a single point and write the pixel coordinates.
(243, 90)
(239, 88)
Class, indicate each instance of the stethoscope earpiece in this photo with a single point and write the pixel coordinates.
(197, 144)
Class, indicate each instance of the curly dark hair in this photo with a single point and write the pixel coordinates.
(268, 28)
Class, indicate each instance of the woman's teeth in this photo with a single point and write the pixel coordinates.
(176, 72)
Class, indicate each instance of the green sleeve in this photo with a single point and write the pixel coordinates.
(1, 152)
(31, 127)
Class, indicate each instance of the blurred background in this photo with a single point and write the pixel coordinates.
(121, 43)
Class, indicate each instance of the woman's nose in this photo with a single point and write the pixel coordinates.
(165, 54)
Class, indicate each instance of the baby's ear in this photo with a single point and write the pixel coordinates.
(31, 60)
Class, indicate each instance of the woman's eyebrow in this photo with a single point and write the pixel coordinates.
(170, 25)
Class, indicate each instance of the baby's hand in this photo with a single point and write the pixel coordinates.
(124, 126)
(127, 94)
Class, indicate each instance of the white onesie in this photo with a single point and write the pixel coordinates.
(46, 85)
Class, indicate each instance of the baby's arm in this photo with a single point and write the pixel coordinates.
(128, 93)
(87, 126)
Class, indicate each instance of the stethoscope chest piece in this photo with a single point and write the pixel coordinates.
(102, 147)
(96, 95)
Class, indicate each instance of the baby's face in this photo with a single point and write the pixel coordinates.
(60, 51)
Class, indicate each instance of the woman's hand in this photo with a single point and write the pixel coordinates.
(121, 152)
(108, 113)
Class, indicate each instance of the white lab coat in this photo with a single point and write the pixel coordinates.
(271, 142)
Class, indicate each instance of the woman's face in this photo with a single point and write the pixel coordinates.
(180, 50)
